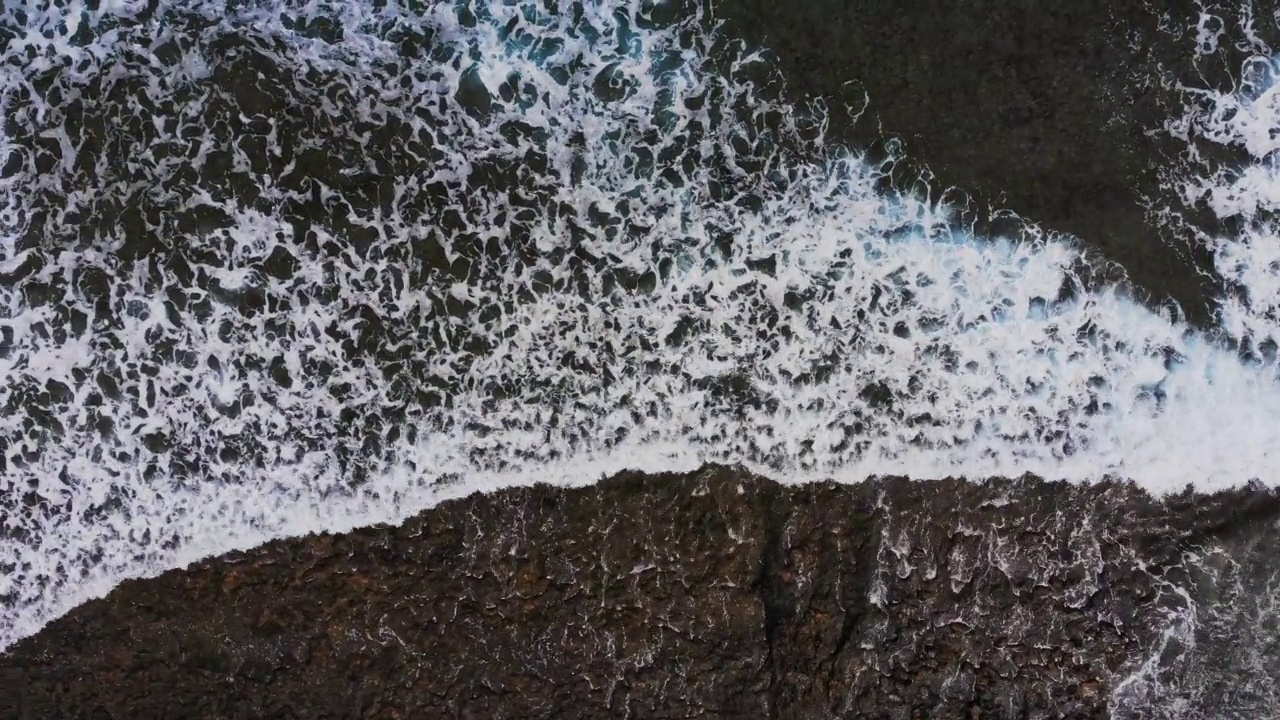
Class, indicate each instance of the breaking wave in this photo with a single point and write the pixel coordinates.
(277, 267)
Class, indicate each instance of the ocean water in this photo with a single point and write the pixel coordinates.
(269, 268)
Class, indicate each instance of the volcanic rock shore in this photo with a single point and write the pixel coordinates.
(711, 594)
(723, 594)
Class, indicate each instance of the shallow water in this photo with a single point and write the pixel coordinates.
(275, 268)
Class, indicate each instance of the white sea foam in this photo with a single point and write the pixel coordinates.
(160, 431)
(1185, 675)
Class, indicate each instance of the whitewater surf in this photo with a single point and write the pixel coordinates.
(275, 268)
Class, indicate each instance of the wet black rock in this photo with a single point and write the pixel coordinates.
(721, 593)
(715, 593)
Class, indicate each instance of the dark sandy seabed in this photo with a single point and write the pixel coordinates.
(723, 594)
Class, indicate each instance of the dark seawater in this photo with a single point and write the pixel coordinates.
(269, 269)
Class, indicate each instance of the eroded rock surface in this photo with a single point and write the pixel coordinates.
(717, 594)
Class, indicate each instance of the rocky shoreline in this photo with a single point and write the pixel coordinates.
(717, 593)
(724, 594)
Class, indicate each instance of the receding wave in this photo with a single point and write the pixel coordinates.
(272, 268)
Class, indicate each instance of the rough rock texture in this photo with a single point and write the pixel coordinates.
(725, 595)
(716, 594)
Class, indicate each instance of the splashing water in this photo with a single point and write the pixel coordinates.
(1217, 659)
(273, 268)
